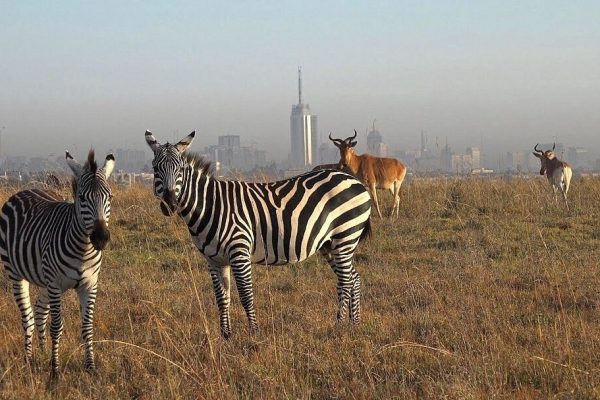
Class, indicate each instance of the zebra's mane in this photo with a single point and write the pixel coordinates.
(89, 165)
(197, 162)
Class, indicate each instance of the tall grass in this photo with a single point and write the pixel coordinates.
(481, 289)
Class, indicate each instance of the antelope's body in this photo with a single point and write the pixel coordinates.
(557, 172)
(374, 172)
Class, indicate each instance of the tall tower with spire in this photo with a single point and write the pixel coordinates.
(303, 133)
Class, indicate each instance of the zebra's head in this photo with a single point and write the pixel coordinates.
(92, 196)
(168, 165)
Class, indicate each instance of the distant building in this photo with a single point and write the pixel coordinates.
(129, 160)
(515, 161)
(328, 154)
(375, 145)
(229, 155)
(303, 133)
(475, 155)
(578, 157)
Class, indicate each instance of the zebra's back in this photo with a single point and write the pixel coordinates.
(27, 220)
(285, 221)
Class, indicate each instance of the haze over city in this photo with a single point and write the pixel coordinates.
(503, 75)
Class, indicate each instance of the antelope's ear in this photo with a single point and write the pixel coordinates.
(186, 142)
(74, 165)
(152, 142)
(352, 144)
(536, 154)
(109, 165)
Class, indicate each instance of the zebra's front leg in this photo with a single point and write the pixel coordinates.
(87, 301)
(21, 293)
(221, 279)
(42, 309)
(56, 326)
(242, 273)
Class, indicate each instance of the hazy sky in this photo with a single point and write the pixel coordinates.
(74, 74)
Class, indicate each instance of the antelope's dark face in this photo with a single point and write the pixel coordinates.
(545, 157)
(93, 197)
(346, 148)
(168, 165)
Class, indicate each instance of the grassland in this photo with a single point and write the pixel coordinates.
(479, 290)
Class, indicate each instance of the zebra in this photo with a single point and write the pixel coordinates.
(57, 245)
(235, 224)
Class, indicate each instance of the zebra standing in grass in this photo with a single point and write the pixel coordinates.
(57, 245)
(235, 224)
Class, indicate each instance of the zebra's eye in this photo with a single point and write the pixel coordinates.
(81, 198)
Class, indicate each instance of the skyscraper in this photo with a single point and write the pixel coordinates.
(303, 132)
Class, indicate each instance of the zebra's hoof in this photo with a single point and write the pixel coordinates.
(91, 369)
(226, 334)
(54, 375)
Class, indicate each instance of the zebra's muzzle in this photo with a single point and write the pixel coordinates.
(100, 235)
(167, 203)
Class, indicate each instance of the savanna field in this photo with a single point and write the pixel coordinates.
(481, 289)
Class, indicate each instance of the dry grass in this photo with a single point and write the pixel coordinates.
(480, 290)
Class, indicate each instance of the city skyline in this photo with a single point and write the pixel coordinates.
(505, 74)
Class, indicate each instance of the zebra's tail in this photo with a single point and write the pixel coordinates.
(366, 232)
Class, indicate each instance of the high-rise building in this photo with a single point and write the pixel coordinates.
(475, 154)
(303, 132)
(375, 145)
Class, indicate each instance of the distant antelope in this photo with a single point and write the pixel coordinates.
(558, 172)
(374, 172)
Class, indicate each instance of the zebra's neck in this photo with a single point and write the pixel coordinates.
(76, 231)
(193, 190)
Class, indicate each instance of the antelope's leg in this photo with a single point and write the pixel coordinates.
(374, 195)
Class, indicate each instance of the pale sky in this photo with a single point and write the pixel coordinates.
(510, 73)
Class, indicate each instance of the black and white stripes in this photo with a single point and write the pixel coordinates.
(57, 245)
(235, 224)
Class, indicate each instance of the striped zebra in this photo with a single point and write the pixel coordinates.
(57, 245)
(235, 224)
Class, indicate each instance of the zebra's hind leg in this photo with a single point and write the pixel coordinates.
(355, 298)
(87, 301)
(242, 273)
(326, 253)
(221, 279)
(56, 326)
(42, 309)
(345, 284)
(21, 293)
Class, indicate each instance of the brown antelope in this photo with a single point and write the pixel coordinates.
(375, 172)
(558, 172)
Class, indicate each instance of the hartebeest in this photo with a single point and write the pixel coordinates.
(558, 172)
(375, 172)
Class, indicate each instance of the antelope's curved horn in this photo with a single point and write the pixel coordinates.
(553, 146)
(335, 141)
(351, 138)
(536, 149)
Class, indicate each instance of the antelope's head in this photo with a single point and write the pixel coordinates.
(545, 157)
(346, 148)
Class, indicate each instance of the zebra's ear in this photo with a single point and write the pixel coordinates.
(73, 164)
(151, 140)
(109, 165)
(185, 143)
